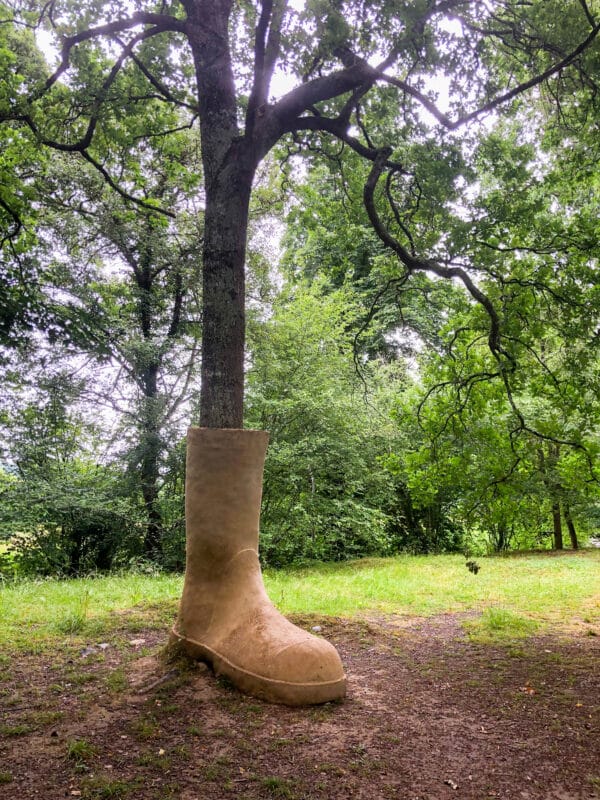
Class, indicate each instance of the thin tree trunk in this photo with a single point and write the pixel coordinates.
(229, 161)
(149, 481)
(571, 527)
(558, 538)
(223, 302)
(151, 448)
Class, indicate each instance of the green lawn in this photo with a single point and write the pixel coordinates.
(560, 590)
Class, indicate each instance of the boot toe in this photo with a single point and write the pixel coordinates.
(310, 660)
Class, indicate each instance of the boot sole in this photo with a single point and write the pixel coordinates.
(274, 691)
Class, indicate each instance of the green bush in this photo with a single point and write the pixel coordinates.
(68, 524)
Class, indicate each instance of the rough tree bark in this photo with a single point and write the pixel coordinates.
(228, 175)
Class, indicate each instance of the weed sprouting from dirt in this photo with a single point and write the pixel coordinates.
(80, 750)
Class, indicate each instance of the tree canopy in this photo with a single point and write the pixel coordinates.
(215, 61)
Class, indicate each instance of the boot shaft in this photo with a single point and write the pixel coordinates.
(223, 492)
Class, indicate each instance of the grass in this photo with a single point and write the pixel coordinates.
(559, 590)
(107, 788)
(498, 623)
(80, 750)
(36, 611)
(278, 787)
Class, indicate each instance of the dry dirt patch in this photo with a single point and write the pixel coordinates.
(429, 715)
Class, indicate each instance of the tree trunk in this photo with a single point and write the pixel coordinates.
(571, 527)
(229, 162)
(154, 524)
(558, 540)
(223, 300)
(150, 450)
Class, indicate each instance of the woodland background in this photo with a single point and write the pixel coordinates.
(393, 429)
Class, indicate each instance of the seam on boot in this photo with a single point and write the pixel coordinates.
(263, 678)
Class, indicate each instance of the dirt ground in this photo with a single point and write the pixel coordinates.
(429, 715)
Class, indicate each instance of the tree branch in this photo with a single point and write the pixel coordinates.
(125, 195)
(535, 81)
(261, 78)
(18, 223)
(166, 94)
(308, 94)
(162, 23)
(338, 128)
(414, 264)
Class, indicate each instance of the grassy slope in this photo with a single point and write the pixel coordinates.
(563, 590)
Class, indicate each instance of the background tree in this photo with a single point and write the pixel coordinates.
(128, 282)
(325, 491)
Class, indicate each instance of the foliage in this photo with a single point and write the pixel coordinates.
(320, 488)
(501, 425)
(115, 282)
(61, 511)
(328, 494)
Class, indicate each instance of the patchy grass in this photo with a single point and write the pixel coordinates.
(546, 588)
(116, 681)
(108, 789)
(22, 729)
(561, 589)
(498, 623)
(420, 688)
(35, 613)
(80, 750)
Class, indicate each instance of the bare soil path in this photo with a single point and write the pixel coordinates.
(430, 715)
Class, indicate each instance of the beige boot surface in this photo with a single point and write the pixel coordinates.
(225, 616)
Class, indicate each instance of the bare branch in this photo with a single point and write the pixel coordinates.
(308, 94)
(125, 195)
(535, 81)
(166, 94)
(587, 12)
(450, 124)
(427, 104)
(262, 76)
(17, 223)
(338, 128)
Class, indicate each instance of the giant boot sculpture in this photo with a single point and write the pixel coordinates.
(225, 617)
